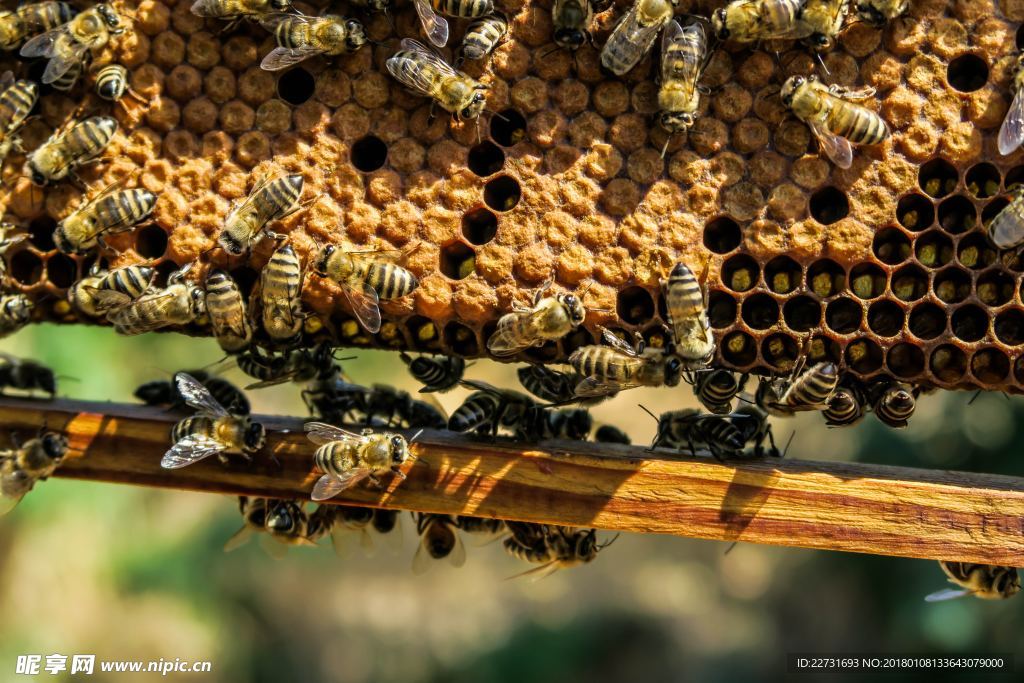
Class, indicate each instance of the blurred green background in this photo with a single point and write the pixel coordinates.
(129, 573)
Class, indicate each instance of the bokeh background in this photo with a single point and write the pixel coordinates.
(133, 573)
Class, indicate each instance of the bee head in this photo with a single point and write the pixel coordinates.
(574, 307)
(718, 25)
(819, 42)
(255, 436)
(281, 518)
(789, 89)
(571, 38)
(107, 89)
(585, 544)
(475, 106)
(676, 122)
(1008, 583)
(36, 175)
(54, 445)
(399, 449)
(673, 371)
(323, 258)
(109, 15)
(355, 34)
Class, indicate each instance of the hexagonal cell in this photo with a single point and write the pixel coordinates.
(1009, 327)
(40, 233)
(867, 281)
(739, 349)
(885, 318)
(844, 315)
(782, 275)
(576, 339)
(976, 252)
(390, 335)
(26, 267)
(825, 278)
(990, 366)
(952, 285)
(164, 270)
(927, 321)
(760, 311)
(992, 209)
(479, 226)
(722, 235)
(948, 363)
(933, 249)
(938, 178)
(909, 283)
(969, 323)
(780, 351)
(151, 241)
(915, 212)
(461, 339)
(369, 153)
(61, 270)
(740, 273)
(502, 193)
(457, 260)
(823, 349)
(296, 86)
(1014, 177)
(957, 215)
(423, 333)
(967, 73)
(635, 305)
(891, 246)
(863, 356)
(508, 127)
(656, 337)
(906, 360)
(485, 159)
(802, 313)
(983, 180)
(995, 287)
(545, 353)
(829, 205)
(721, 309)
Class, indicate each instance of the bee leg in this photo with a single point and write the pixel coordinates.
(432, 115)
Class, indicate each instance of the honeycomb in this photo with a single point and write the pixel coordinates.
(883, 268)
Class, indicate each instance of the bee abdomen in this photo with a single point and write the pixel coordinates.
(814, 387)
(111, 82)
(483, 36)
(16, 102)
(333, 458)
(467, 9)
(90, 137)
(476, 411)
(125, 209)
(844, 409)
(1007, 229)
(197, 425)
(390, 281)
(130, 280)
(858, 125)
(533, 555)
(292, 34)
(67, 80)
(279, 196)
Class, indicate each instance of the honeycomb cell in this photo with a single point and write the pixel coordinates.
(823, 349)
(891, 246)
(867, 281)
(457, 260)
(760, 311)
(825, 278)
(967, 73)
(26, 267)
(502, 193)
(485, 159)
(151, 241)
(948, 363)
(722, 235)
(1009, 327)
(721, 309)
(992, 209)
(479, 226)
(915, 212)
(296, 86)
(906, 360)
(508, 127)
(1014, 177)
(461, 340)
(885, 318)
(952, 285)
(990, 366)
(957, 215)
(969, 323)
(740, 273)
(780, 351)
(738, 349)
(802, 313)
(863, 356)
(576, 339)
(938, 178)
(61, 270)
(983, 180)
(976, 252)
(927, 321)
(40, 233)
(844, 315)
(423, 333)
(829, 205)
(782, 275)
(995, 287)
(369, 153)
(933, 249)
(164, 270)
(909, 283)
(635, 305)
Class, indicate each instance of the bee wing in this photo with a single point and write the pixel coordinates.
(198, 396)
(422, 560)
(434, 25)
(614, 341)
(836, 147)
(284, 57)
(947, 594)
(238, 539)
(107, 300)
(322, 433)
(328, 486)
(1011, 133)
(286, 377)
(504, 342)
(8, 504)
(121, 316)
(273, 547)
(43, 44)
(190, 450)
(412, 75)
(64, 60)
(365, 306)
(457, 557)
(593, 386)
(634, 38)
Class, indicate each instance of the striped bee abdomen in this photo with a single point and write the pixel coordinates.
(390, 281)
(857, 124)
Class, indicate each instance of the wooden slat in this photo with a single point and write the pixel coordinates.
(834, 506)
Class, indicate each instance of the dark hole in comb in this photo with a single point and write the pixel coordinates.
(915, 212)
(151, 242)
(739, 349)
(952, 285)
(970, 323)
(885, 318)
(721, 309)
(829, 205)
(802, 313)
(891, 246)
(933, 249)
(461, 339)
(502, 193)
(486, 159)
(245, 278)
(423, 333)
(844, 315)
(457, 260)
(825, 278)
(976, 252)
(957, 215)
(576, 339)
(864, 356)
(722, 235)
(967, 73)
(508, 127)
(61, 270)
(296, 86)
(782, 275)
(40, 233)
(927, 321)
(983, 180)
(163, 271)
(909, 283)
(780, 351)
(760, 311)
(479, 226)
(995, 287)
(867, 281)
(26, 267)
(369, 153)
(992, 209)
(1009, 327)
(635, 305)
(990, 366)
(740, 273)
(948, 363)
(545, 353)
(906, 360)
(1014, 177)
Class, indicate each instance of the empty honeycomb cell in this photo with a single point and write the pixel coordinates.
(1009, 327)
(948, 363)
(952, 285)
(825, 278)
(915, 212)
(802, 313)
(545, 353)
(502, 193)
(151, 241)
(927, 321)
(163, 270)
(938, 178)
(26, 267)
(721, 309)
(995, 287)
(885, 318)
(967, 73)
(760, 311)
(423, 333)
(479, 226)
(296, 86)
(969, 323)
(780, 351)
(844, 315)
(863, 356)
(485, 159)
(635, 305)
(829, 205)
(508, 127)
(975, 251)
(983, 180)
(738, 349)
(61, 270)
(910, 283)
(933, 249)
(722, 235)
(457, 260)
(782, 275)
(369, 153)
(990, 366)
(460, 339)
(40, 233)
(1014, 177)
(905, 360)
(957, 215)
(740, 272)
(891, 246)
(867, 281)
(576, 339)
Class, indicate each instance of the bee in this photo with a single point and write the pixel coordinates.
(876, 13)
(346, 458)
(16, 102)
(611, 434)
(846, 407)
(753, 426)
(385, 521)
(439, 539)
(30, 20)
(226, 308)
(254, 518)
(554, 386)
(26, 375)
(480, 525)
(109, 213)
(112, 84)
(35, 460)
(749, 21)
(435, 372)
(58, 157)
(1006, 230)
(482, 36)
(366, 278)
(280, 296)
(634, 35)
(893, 403)
(690, 428)
(333, 399)
(571, 20)
(540, 422)
(287, 523)
(418, 68)
(553, 547)
(436, 27)
(179, 303)
(131, 281)
(684, 54)
(67, 80)
(985, 581)
(809, 390)
(15, 313)
(833, 116)
(236, 9)
(716, 389)
(607, 369)
(211, 431)
(488, 409)
(693, 341)
(822, 20)
(6, 242)
(550, 319)
(383, 404)
(299, 37)
(71, 43)
(270, 200)
(164, 392)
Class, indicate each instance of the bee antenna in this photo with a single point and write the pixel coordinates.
(786, 449)
(644, 408)
(494, 113)
(668, 139)
(731, 546)
(416, 436)
(822, 62)
(975, 397)
(608, 543)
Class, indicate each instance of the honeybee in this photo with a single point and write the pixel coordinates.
(346, 458)
(553, 547)
(571, 20)
(6, 242)
(754, 427)
(692, 339)
(179, 303)
(69, 44)
(31, 19)
(366, 278)
(541, 422)
(108, 213)
(607, 369)
(235, 9)
(482, 36)
(611, 434)
(634, 35)
(15, 313)
(300, 37)
(280, 295)
(270, 200)
(226, 308)
(435, 372)
(1011, 133)
(165, 393)
(846, 407)
(439, 539)
(26, 375)
(893, 403)
(254, 518)
(489, 408)
(550, 319)
(423, 71)
(67, 80)
(68, 149)
(684, 54)
(690, 428)
(131, 281)
(211, 431)
(716, 389)
(554, 386)
(835, 120)
(487, 526)
(16, 101)
(1006, 230)
(748, 21)
(807, 390)
(876, 13)
(822, 20)
(112, 84)
(985, 581)
(35, 460)
(436, 27)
